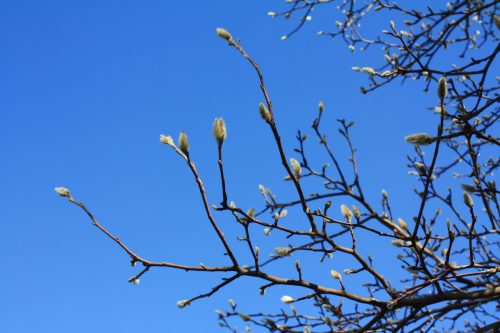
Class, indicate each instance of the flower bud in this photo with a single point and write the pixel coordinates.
(335, 274)
(166, 139)
(468, 200)
(182, 304)
(183, 143)
(442, 88)
(468, 188)
(219, 130)
(224, 34)
(420, 139)
(264, 112)
(283, 251)
(287, 299)
(368, 70)
(398, 242)
(296, 167)
(496, 18)
(420, 168)
(403, 223)
(321, 106)
(62, 191)
(245, 317)
(346, 212)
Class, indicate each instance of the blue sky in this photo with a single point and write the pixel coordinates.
(87, 87)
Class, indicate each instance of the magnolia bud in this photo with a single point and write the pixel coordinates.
(219, 130)
(346, 212)
(287, 299)
(335, 274)
(62, 191)
(244, 316)
(224, 34)
(321, 106)
(442, 88)
(166, 139)
(497, 21)
(283, 251)
(183, 143)
(420, 168)
(421, 139)
(182, 304)
(468, 188)
(468, 200)
(296, 167)
(264, 112)
(398, 242)
(402, 223)
(306, 329)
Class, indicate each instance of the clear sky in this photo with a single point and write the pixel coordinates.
(86, 87)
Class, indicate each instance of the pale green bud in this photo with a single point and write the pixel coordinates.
(296, 167)
(356, 211)
(219, 130)
(420, 139)
(346, 211)
(468, 188)
(62, 191)
(166, 139)
(306, 329)
(183, 143)
(442, 88)
(468, 200)
(264, 112)
(224, 34)
(370, 71)
(497, 21)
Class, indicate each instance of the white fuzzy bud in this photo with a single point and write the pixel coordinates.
(283, 251)
(335, 274)
(219, 129)
(62, 191)
(182, 304)
(264, 112)
(166, 139)
(468, 200)
(297, 170)
(287, 299)
(442, 88)
(346, 212)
